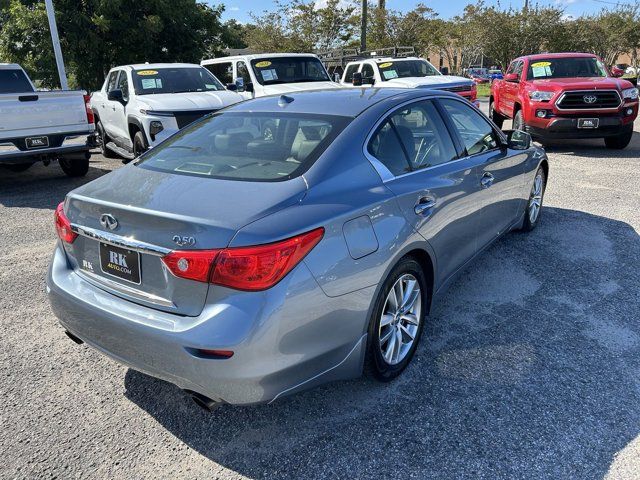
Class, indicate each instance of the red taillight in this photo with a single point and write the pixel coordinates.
(244, 268)
(87, 106)
(474, 92)
(63, 225)
(191, 264)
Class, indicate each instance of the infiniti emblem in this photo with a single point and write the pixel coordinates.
(590, 99)
(108, 221)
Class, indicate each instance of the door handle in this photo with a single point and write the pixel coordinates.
(424, 205)
(487, 180)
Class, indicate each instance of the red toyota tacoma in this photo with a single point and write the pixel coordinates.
(565, 95)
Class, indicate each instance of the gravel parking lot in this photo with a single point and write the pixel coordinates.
(530, 368)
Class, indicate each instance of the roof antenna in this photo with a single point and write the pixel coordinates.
(284, 100)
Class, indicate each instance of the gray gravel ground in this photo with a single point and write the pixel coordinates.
(530, 367)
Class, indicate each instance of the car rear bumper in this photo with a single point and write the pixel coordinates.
(14, 150)
(279, 346)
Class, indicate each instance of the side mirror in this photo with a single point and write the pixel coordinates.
(239, 84)
(512, 77)
(248, 87)
(518, 140)
(232, 87)
(357, 79)
(115, 96)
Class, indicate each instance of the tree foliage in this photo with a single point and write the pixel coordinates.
(99, 34)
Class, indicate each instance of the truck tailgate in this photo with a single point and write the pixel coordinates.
(42, 113)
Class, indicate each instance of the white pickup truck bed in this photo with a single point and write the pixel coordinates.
(41, 126)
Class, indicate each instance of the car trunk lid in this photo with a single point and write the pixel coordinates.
(129, 219)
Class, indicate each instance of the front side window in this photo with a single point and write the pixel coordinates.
(223, 71)
(123, 84)
(412, 138)
(174, 80)
(14, 81)
(276, 70)
(111, 83)
(406, 68)
(576, 67)
(476, 133)
(351, 69)
(243, 72)
(367, 71)
(250, 146)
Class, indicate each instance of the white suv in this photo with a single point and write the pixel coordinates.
(141, 105)
(270, 73)
(405, 72)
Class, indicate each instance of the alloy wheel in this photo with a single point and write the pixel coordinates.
(535, 203)
(400, 319)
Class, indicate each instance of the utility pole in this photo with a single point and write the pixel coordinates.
(363, 27)
(525, 7)
(56, 44)
(381, 4)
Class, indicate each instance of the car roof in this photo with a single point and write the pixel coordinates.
(540, 56)
(348, 102)
(255, 56)
(151, 66)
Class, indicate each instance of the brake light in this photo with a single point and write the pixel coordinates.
(63, 225)
(474, 92)
(244, 268)
(87, 106)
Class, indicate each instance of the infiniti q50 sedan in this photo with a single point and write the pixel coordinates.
(288, 241)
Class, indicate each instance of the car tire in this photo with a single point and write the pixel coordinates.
(619, 141)
(104, 139)
(386, 359)
(533, 209)
(75, 166)
(18, 167)
(496, 117)
(139, 144)
(518, 121)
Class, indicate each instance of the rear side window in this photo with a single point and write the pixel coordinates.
(413, 138)
(223, 71)
(248, 146)
(477, 134)
(14, 81)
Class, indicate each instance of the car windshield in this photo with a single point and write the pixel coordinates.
(406, 68)
(250, 146)
(174, 80)
(576, 67)
(274, 70)
(14, 81)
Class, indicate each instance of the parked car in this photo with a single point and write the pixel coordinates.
(478, 79)
(37, 126)
(244, 268)
(565, 95)
(270, 73)
(141, 105)
(619, 69)
(405, 72)
(495, 75)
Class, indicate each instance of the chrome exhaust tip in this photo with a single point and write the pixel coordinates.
(203, 401)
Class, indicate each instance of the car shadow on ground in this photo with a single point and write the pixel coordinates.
(527, 369)
(593, 148)
(43, 187)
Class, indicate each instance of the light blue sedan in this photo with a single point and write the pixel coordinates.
(288, 241)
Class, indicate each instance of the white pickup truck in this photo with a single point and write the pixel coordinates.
(141, 105)
(270, 73)
(405, 72)
(42, 126)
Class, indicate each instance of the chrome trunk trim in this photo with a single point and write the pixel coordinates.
(118, 241)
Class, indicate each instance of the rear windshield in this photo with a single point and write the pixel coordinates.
(272, 71)
(174, 80)
(405, 69)
(14, 81)
(576, 67)
(263, 147)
